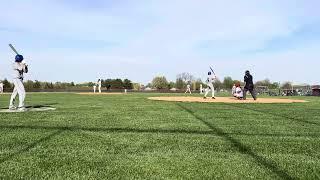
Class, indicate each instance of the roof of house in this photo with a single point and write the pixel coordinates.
(316, 87)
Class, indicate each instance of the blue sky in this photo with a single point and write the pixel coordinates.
(139, 39)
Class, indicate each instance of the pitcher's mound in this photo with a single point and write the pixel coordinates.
(104, 93)
(225, 100)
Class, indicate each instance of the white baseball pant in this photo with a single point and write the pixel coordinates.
(18, 90)
(208, 89)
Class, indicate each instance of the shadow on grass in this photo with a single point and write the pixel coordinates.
(160, 131)
(30, 146)
(276, 115)
(269, 164)
(36, 106)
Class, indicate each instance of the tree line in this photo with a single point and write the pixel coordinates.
(161, 83)
(114, 83)
(42, 85)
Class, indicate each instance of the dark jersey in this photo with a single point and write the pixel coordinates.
(248, 80)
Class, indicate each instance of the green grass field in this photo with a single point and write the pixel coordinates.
(131, 137)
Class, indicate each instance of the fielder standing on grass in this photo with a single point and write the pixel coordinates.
(211, 78)
(201, 90)
(248, 80)
(1, 87)
(233, 90)
(94, 88)
(99, 85)
(188, 88)
(19, 67)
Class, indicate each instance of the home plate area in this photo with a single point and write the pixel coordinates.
(28, 109)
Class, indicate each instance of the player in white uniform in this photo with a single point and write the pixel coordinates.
(211, 78)
(201, 89)
(233, 91)
(238, 93)
(99, 85)
(19, 67)
(94, 88)
(188, 88)
(1, 87)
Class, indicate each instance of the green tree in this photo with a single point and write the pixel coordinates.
(28, 85)
(7, 85)
(127, 84)
(48, 85)
(117, 84)
(274, 85)
(136, 86)
(160, 82)
(36, 85)
(227, 82)
(218, 84)
(107, 82)
(286, 85)
(171, 85)
(180, 84)
(90, 84)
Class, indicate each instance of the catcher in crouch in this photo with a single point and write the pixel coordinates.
(238, 93)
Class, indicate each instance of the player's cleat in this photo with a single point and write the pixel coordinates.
(204, 97)
(12, 107)
(22, 109)
(213, 98)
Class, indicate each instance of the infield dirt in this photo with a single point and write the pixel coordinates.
(225, 100)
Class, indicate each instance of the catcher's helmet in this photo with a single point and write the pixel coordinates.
(247, 72)
(209, 73)
(19, 58)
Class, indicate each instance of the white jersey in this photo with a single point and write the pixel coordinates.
(239, 92)
(1, 85)
(18, 70)
(211, 79)
(188, 86)
(233, 89)
(99, 83)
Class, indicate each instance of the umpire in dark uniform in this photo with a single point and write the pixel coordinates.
(249, 86)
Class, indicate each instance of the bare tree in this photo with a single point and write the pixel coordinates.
(185, 77)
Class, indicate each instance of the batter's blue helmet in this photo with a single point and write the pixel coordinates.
(19, 58)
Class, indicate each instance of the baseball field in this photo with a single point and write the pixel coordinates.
(132, 137)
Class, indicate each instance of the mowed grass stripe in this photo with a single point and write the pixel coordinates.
(130, 137)
(302, 140)
(267, 163)
(295, 114)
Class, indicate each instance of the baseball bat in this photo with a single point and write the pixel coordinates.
(13, 49)
(212, 71)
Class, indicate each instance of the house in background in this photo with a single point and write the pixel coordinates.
(316, 90)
